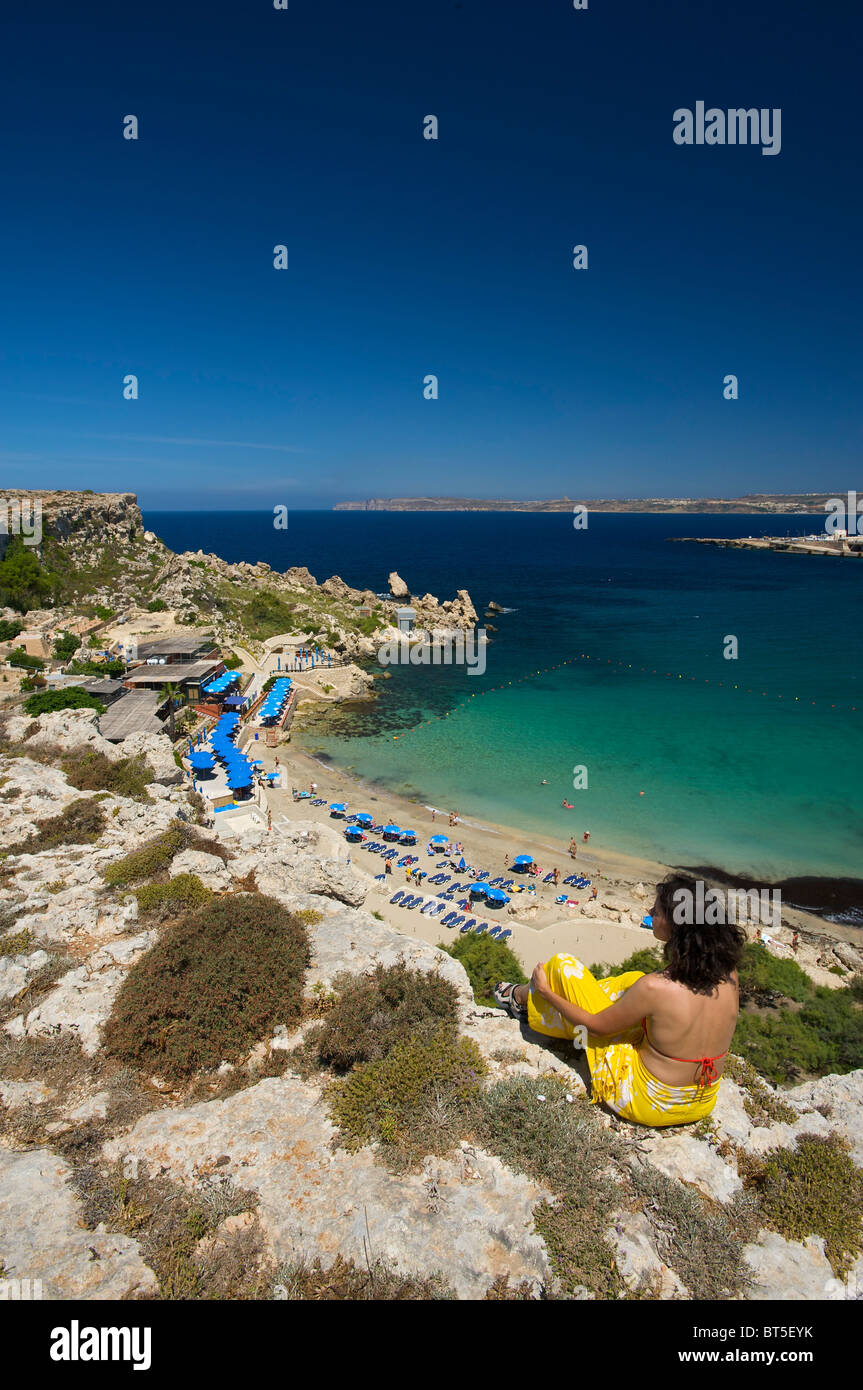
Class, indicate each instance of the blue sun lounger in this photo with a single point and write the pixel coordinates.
(397, 897)
(502, 936)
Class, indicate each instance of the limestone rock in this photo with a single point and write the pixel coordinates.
(81, 1002)
(317, 1202)
(686, 1159)
(637, 1258)
(209, 868)
(789, 1270)
(55, 1248)
(398, 587)
(157, 751)
(17, 971)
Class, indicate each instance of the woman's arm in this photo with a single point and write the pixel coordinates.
(634, 1004)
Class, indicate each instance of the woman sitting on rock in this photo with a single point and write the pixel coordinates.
(655, 1044)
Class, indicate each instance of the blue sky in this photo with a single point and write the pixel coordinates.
(409, 257)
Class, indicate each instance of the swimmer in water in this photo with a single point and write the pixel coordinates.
(543, 783)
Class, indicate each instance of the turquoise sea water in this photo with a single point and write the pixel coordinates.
(751, 782)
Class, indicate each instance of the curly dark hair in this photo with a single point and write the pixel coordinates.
(698, 955)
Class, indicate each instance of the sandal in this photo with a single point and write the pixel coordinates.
(503, 993)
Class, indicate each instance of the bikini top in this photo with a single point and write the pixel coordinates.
(708, 1074)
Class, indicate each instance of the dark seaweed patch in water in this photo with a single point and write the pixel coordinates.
(835, 899)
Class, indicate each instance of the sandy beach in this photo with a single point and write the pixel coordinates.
(540, 927)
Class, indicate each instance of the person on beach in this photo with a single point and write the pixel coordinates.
(573, 848)
(388, 868)
(594, 894)
(586, 836)
(506, 861)
(656, 1043)
(556, 877)
(434, 812)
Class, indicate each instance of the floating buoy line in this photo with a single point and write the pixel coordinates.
(621, 666)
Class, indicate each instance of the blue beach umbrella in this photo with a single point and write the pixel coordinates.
(439, 840)
(364, 818)
(339, 807)
(522, 861)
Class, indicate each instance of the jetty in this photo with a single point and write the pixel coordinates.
(848, 546)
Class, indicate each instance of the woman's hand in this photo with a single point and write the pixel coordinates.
(538, 981)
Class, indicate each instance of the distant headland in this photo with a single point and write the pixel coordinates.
(767, 502)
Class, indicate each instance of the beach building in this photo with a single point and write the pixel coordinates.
(405, 619)
(190, 676)
(177, 650)
(137, 712)
(107, 690)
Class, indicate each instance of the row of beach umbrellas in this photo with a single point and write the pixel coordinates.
(220, 684)
(276, 698)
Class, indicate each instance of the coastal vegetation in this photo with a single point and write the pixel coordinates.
(212, 986)
(73, 697)
(152, 858)
(487, 962)
(375, 1012)
(79, 823)
(413, 1101)
(813, 1189)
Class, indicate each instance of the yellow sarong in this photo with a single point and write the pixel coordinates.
(618, 1075)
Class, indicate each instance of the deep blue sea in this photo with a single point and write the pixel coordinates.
(751, 764)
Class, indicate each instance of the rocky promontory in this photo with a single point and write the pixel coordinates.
(269, 1158)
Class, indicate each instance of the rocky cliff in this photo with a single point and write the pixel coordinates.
(96, 552)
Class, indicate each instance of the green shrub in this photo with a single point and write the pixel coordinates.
(414, 1100)
(266, 614)
(18, 657)
(814, 1189)
(211, 987)
(152, 858)
(9, 630)
(179, 894)
(762, 973)
(487, 962)
(156, 605)
(73, 697)
(647, 959)
(66, 645)
(79, 823)
(377, 1011)
(90, 770)
(24, 584)
(16, 943)
(826, 1035)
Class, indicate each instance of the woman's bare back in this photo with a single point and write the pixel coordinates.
(684, 1024)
